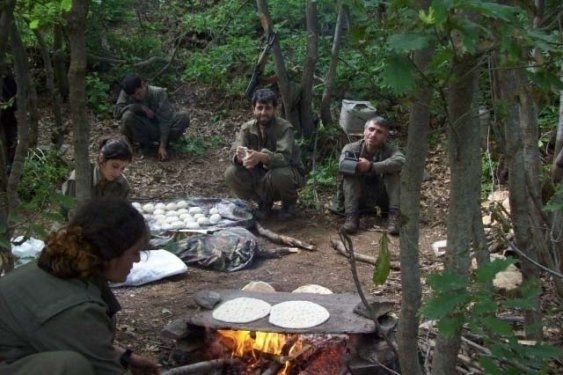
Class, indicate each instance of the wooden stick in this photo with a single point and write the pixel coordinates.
(201, 367)
(280, 238)
(339, 246)
(278, 252)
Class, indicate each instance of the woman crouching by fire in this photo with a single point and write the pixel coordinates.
(57, 315)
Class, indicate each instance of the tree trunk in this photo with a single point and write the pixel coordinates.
(59, 65)
(326, 115)
(76, 21)
(305, 111)
(465, 163)
(411, 180)
(6, 257)
(21, 68)
(523, 177)
(58, 128)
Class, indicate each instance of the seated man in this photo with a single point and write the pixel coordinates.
(147, 117)
(266, 165)
(371, 171)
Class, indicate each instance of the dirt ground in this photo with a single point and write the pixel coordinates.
(147, 309)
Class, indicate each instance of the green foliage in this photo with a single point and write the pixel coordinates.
(98, 94)
(460, 302)
(489, 174)
(196, 145)
(322, 177)
(43, 173)
(383, 262)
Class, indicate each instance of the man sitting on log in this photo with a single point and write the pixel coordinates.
(266, 165)
(147, 117)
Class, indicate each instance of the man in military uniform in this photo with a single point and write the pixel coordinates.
(371, 169)
(147, 117)
(266, 164)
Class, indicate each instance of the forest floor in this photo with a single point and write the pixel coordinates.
(149, 308)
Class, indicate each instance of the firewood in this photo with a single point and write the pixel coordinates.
(278, 252)
(339, 246)
(280, 238)
(202, 367)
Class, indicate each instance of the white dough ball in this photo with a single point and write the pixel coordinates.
(171, 206)
(195, 210)
(192, 225)
(158, 211)
(171, 213)
(213, 211)
(148, 208)
(171, 219)
(186, 217)
(181, 204)
(203, 221)
(178, 224)
(182, 211)
(137, 205)
(160, 205)
(199, 215)
(215, 218)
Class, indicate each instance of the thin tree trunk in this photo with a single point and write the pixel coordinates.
(6, 257)
(326, 116)
(78, 108)
(305, 110)
(21, 69)
(58, 129)
(464, 159)
(411, 180)
(59, 65)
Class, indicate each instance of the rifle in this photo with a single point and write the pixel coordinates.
(259, 67)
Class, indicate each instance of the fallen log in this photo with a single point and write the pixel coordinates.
(202, 367)
(280, 238)
(339, 246)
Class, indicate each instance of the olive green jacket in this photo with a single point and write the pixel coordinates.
(278, 142)
(40, 312)
(114, 189)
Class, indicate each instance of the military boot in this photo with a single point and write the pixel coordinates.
(393, 223)
(351, 225)
(264, 210)
(287, 211)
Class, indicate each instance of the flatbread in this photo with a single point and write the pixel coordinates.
(298, 314)
(241, 310)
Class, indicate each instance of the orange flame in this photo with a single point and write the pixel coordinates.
(243, 342)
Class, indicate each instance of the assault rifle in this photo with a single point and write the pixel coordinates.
(259, 67)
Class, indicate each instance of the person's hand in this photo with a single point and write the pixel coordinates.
(140, 365)
(252, 159)
(364, 165)
(148, 112)
(162, 153)
(240, 153)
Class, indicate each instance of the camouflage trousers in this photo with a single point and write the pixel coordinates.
(145, 132)
(264, 185)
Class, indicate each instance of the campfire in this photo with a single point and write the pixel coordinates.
(280, 353)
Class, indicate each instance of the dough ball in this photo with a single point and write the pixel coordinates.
(181, 204)
(213, 211)
(203, 221)
(160, 205)
(148, 208)
(215, 218)
(186, 217)
(171, 213)
(182, 211)
(195, 210)
(137, 205)
(171, 206)
(199, 215)
(158, 211)
(191, 225)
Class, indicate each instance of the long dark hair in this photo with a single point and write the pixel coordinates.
(100, 230)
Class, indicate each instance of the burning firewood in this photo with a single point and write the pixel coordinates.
(280, 238)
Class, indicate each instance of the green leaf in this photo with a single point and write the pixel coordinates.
(383, 262)
(493, 10)
(66, 5)
(498, 326)
(487, 272)
(484, 306)
(447, 281)
(448, 326)
(397, 74)
(34, 24)
(444, 304)
(402, 43)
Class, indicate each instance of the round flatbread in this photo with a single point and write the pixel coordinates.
(241, 310)
(298, 314)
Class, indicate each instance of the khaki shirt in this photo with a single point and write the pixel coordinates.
(114, 189)
(40, 312)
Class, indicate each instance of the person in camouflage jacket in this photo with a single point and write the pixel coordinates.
(266, 164)
(375, 179)
(147, 117)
